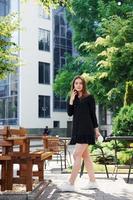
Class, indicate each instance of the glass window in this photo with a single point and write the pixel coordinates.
(62, 45)
(44, 73)
(44, 106)
(69, 34)
(8, 100)
(63, 61)
(13, 89)
(12, 107)
(43, 13)
(62, 31)
(62, 21)
(8, 107)
(63, 52)
(44, 40)
(63, 42)
(56, 124)
(56, 40)
(69, 44)
(59, 103)
(4, 7)
(4, 90)
(55, 71)
(14, 76)
(2, 108)
(56, 23)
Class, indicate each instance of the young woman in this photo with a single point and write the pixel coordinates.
(85, 129)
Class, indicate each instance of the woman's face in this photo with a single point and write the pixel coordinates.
(78, 85)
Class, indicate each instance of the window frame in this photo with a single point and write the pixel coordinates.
(43, 73)
(43, 44)
(43, 107)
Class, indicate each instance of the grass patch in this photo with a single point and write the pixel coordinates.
(100, 168)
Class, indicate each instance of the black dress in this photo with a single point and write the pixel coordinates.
(84, 120)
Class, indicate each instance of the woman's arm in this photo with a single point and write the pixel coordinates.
(70, 108)
(93, 115)
(92, 107)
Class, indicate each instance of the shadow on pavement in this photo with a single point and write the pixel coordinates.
(53, 193)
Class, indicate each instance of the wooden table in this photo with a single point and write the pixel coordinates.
(124, 139)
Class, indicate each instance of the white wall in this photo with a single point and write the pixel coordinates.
(29, 87)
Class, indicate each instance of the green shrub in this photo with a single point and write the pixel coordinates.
(124, 157)
(123, 154)
(128, 99)
(108, 153)
(123, 122)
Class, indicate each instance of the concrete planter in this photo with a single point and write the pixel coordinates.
(36, 194)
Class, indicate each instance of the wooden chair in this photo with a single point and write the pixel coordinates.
(38, 158)
(53, 144)
(5, 160)
(27, 159)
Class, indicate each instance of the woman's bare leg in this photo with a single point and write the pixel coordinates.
(77, 155)
(88, 164)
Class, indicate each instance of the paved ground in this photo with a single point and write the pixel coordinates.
(109, 189)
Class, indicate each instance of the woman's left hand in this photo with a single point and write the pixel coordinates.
(97, 133)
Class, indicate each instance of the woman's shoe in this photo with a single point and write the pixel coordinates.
(66, 187)
(91, 185)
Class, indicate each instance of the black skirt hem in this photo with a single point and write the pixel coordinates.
(73, 142)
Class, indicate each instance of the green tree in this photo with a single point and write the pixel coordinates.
(85, 17)
(114, 60)
(8, 49)
(110, 55)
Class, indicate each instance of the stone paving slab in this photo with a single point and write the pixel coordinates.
(109, 189)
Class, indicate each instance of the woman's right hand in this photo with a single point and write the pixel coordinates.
(73, 94)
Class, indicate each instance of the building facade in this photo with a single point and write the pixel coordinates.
(27, 98)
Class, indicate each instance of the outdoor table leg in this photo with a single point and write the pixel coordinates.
(3, 175)
(29, 175)
(9, 174)
(82, 168)
(65, 152)
(131, 162)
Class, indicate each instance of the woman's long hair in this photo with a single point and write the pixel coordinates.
(84, 90)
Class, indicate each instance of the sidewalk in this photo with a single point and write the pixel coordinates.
(109, 189)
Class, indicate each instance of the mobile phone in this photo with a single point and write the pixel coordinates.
(76, 91)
